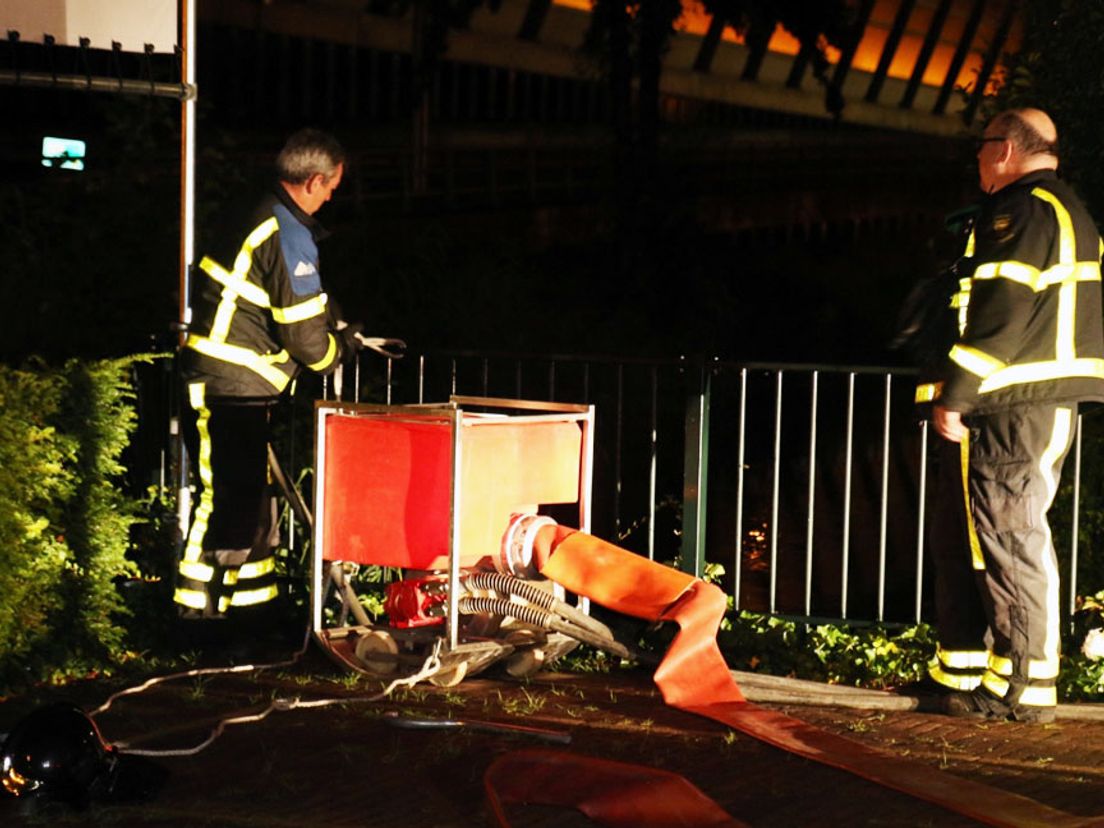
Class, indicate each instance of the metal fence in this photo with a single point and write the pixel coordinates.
(807, 483)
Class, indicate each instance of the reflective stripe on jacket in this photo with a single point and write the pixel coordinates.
(259, 313)
(1031, 322)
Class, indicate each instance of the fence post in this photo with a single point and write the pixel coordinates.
(695, 474)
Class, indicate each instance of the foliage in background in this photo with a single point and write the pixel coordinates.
(65, 518)
(858, 656)
(1045, 74)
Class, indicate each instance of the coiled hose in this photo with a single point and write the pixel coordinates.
(512, 585)
(542, 618)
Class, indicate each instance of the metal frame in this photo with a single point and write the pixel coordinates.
(452, 413)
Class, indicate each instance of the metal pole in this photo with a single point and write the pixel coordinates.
(696, 471)
(1074, 523)
(847, 493)
(921, 507)
(885, 499)
(652, 471)
(617, 451)
(740, 449)
(811, 518)
(421, 379)
(775, 482)
(187, 243)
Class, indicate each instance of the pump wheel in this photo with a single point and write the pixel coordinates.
(382, 645)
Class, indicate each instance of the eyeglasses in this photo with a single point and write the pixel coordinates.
(981, 142)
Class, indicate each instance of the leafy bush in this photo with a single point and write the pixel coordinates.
(64, 518)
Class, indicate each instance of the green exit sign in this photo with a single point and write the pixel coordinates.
(66, 153)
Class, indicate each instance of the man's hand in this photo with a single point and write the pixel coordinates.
(949, 424)
(350, 337)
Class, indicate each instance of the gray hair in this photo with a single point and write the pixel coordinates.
(309, 152)
(1022, 135)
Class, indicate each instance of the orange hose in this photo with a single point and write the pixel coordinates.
(615, 794)
(693, 676)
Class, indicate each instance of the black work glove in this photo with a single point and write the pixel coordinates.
(351, 342)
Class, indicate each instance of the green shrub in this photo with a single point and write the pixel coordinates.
(65, 518)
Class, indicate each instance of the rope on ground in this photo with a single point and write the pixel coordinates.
(431, 665)
(202, 671)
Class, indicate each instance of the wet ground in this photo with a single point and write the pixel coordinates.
(370, 763)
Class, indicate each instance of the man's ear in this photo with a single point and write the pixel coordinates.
(1006, 152)
(312, 184)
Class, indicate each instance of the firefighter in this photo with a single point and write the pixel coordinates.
(929, 325)
(1030, 348)
(260, 316)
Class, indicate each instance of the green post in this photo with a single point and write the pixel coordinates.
(695, 467)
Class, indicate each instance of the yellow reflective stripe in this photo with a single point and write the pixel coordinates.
(236, 355)
(1036, 668)
(255, 569)
(1067, 247)
(929, 391)
(331, 354)
(1067, 293)
(190, 598)
(244, 260)
(1039, 697)
(246, 598)
(194, 549)
(962, 659)
(1037, 280)
(315, 306)
(1018, 272)
(1063, 273)
(976, 558)
(996, 684)
(961, 300)
(956, 681)
(230, 577)
(1036, 696)
(197, 571)
(969, 251)
(976, 362)
(1043, 371)
(235, 282)
(1059, 439)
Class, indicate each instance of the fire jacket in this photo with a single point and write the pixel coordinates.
(259, 312)
(1030, 320)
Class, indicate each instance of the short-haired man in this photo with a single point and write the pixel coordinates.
(1030, 347)
(260, 316)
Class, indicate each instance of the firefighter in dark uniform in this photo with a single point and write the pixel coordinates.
(260, 315)
(1030, 348)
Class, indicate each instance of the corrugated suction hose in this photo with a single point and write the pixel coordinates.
(542, 618)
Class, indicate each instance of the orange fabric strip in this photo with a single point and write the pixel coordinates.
(615, 794)
(693, 676)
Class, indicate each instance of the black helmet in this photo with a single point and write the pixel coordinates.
(57, 754)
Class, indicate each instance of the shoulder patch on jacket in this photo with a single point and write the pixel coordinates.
(1002, 225)
(300, 253)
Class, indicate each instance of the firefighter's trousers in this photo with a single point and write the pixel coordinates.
(1013, 461)
(228, 558)
(962, 654)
